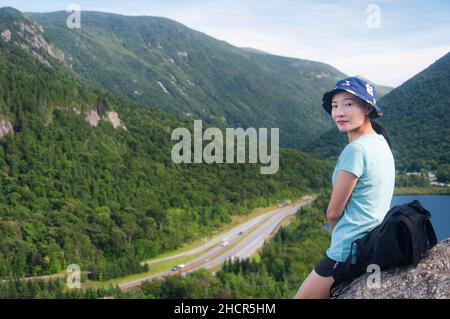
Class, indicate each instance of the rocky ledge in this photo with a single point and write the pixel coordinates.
(429, 280)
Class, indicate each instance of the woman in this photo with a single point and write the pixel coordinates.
(363, 179)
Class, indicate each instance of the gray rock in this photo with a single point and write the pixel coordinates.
(32, 38)
(429, 280)
(5, 128)
(6, 35)
(93, 118)
(114, 119)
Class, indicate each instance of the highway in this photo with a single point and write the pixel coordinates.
(241, 242)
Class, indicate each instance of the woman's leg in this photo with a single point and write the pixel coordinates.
(315, 287)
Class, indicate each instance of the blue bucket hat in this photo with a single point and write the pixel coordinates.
(357, 86)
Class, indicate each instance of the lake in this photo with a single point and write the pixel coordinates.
(437, 205)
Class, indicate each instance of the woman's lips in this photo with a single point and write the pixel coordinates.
(342, 122)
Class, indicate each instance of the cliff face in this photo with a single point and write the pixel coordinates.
(429, 280)
(15, 28)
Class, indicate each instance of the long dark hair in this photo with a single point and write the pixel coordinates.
(377, 127)
(380, 130)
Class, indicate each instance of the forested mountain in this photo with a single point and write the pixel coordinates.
(86, 177)
(161, 62)
(416, 119)
(282, 264)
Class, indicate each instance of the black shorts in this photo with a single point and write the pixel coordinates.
(326, 267)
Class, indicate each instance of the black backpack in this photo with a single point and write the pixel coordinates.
(401, 239)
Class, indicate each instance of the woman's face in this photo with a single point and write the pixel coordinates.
(348, 112)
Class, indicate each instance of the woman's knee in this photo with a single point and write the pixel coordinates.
(315, 287)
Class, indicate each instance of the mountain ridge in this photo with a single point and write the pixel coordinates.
(156, 61)
(87, 176)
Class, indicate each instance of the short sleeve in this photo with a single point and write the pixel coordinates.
(352, 159)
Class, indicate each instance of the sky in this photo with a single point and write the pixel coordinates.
(387, 42)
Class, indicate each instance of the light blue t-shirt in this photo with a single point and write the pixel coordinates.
(370, 158)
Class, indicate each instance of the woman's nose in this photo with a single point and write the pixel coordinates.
(337, 111)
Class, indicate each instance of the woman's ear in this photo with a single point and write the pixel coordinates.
(368, 108)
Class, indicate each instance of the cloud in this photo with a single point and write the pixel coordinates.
(393, 68)
(411, 37)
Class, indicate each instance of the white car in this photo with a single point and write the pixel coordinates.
(178, 267)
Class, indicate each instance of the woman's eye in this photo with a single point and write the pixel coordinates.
(348, 104)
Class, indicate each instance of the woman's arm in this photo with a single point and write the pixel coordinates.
(343, 188)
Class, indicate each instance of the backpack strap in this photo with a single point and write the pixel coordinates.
(414, 243)
(431, 235)
(418, 246)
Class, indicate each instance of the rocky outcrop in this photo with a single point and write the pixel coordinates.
(6, 35)
(28, 36)
(182, 54)
(31, 38)
(92, 118)
(114, 119)
(429, 280)
(5, 128)
(162, 87)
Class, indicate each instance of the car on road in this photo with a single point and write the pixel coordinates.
(225, 243)
(178, 267)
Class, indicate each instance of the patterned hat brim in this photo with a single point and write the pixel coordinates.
(327, 97)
